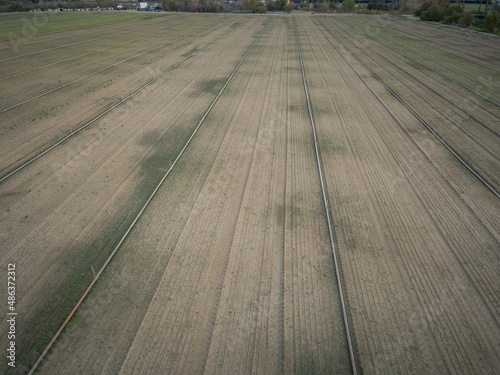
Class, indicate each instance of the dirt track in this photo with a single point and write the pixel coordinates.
(229, 270)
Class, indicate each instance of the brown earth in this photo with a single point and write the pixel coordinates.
(229, 269)
(72, 100)
(418, 258)
(61, 217)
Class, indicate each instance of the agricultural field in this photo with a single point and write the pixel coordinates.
(231, 194)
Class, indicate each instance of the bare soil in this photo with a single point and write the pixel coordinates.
(230, 270)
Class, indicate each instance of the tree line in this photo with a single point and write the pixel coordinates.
(455, 14)
(486, 18)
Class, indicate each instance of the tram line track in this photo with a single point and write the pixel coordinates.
(448, 101)
(428, 67)
(100, 70)
(9, 76)
(69, 30)
(445, 51)
(327, 212)
(146, 204)
(111, 108)
(461, 259)
(14, 45)
(422, 121)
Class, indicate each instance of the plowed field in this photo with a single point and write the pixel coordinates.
(232, 194)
